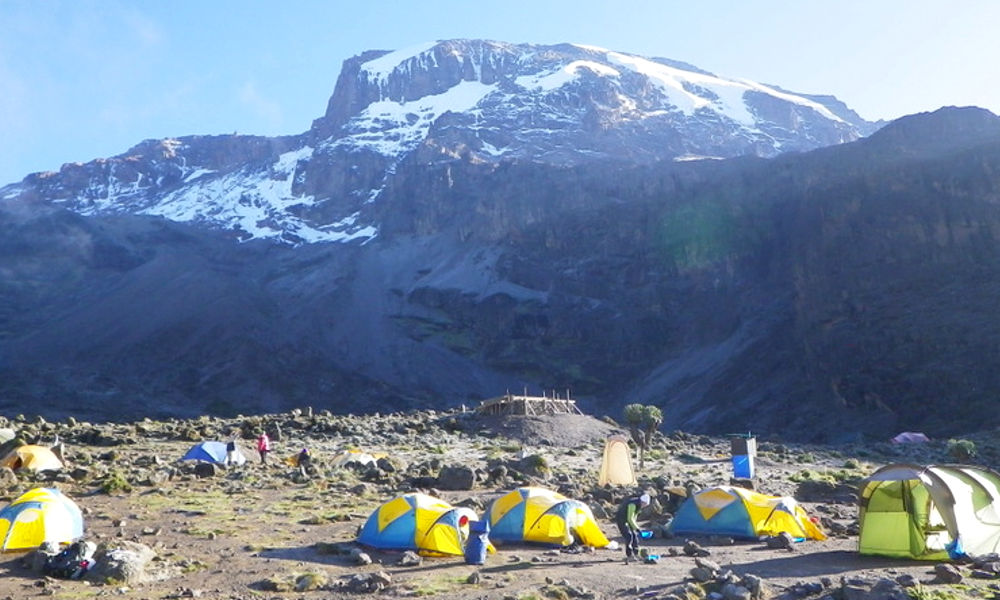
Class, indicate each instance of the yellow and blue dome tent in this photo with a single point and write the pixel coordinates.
(38, 516)
(531, 514)
(741, 513)
(419, 522)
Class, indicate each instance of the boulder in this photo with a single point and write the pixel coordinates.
(7, 478)
(945, 573)
(204, 469)
(121, 561)
(456, 477)
(782, 541)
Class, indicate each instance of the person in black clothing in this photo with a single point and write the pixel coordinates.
(625, 518)
(305, 462)
(231, 450)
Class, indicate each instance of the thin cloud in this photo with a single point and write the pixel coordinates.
(268, 110)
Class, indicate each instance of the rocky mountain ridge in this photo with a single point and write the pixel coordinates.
(842, 286)
(469, 100)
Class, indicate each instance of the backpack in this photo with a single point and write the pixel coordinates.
(71, 563)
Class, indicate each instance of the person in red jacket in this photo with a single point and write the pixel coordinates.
(263, 446)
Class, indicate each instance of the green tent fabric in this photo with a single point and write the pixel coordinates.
(933, 512)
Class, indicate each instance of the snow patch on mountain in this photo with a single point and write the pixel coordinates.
(552, 80)
(395, 128)
(380, 68)
(258, 204)
(110, 192)
(691, 91)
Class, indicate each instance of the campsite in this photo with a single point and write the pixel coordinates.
(267, 531)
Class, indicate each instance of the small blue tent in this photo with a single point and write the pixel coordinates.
(213, 452)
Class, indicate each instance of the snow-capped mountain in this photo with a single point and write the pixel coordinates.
(481, 102)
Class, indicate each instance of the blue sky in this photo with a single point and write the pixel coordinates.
(83, 79)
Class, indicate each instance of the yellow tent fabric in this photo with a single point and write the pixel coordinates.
(34, 458)
(354, 457)
(531, 514)
(713, 500)
(38, 516)
(616, 464)
(773, 514)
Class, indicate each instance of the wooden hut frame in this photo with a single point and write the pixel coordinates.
(510, 404)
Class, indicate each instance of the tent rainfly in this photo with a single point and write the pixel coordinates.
(741, 513)
(418, 522)
(38, 516)
(930, 512)
(530, 514)
(32, 458)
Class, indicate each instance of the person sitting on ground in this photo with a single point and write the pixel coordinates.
(305, 462)
(625, 518)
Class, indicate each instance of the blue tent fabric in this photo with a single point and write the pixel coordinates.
(510, 527)
(732, 520)
(213, 452)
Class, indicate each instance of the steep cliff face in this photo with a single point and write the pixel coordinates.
(471, 217)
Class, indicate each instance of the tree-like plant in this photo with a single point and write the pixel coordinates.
(643, 421)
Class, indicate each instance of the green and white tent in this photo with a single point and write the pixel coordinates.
(930, 512)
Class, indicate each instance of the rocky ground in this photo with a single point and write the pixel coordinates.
(266, 532)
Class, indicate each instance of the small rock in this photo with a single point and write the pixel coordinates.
(711, 565)
(735, 592)
(691, 548)
(360, 557)
(946, 573)
(205, 470)
(410, 559)
(759, 589)
(382, 579)
(782, 541)
(888, 589)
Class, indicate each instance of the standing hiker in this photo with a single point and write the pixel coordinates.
(625, 518)
(263, 446)
(231, 450)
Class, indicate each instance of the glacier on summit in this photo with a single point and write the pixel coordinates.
(476, 100)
